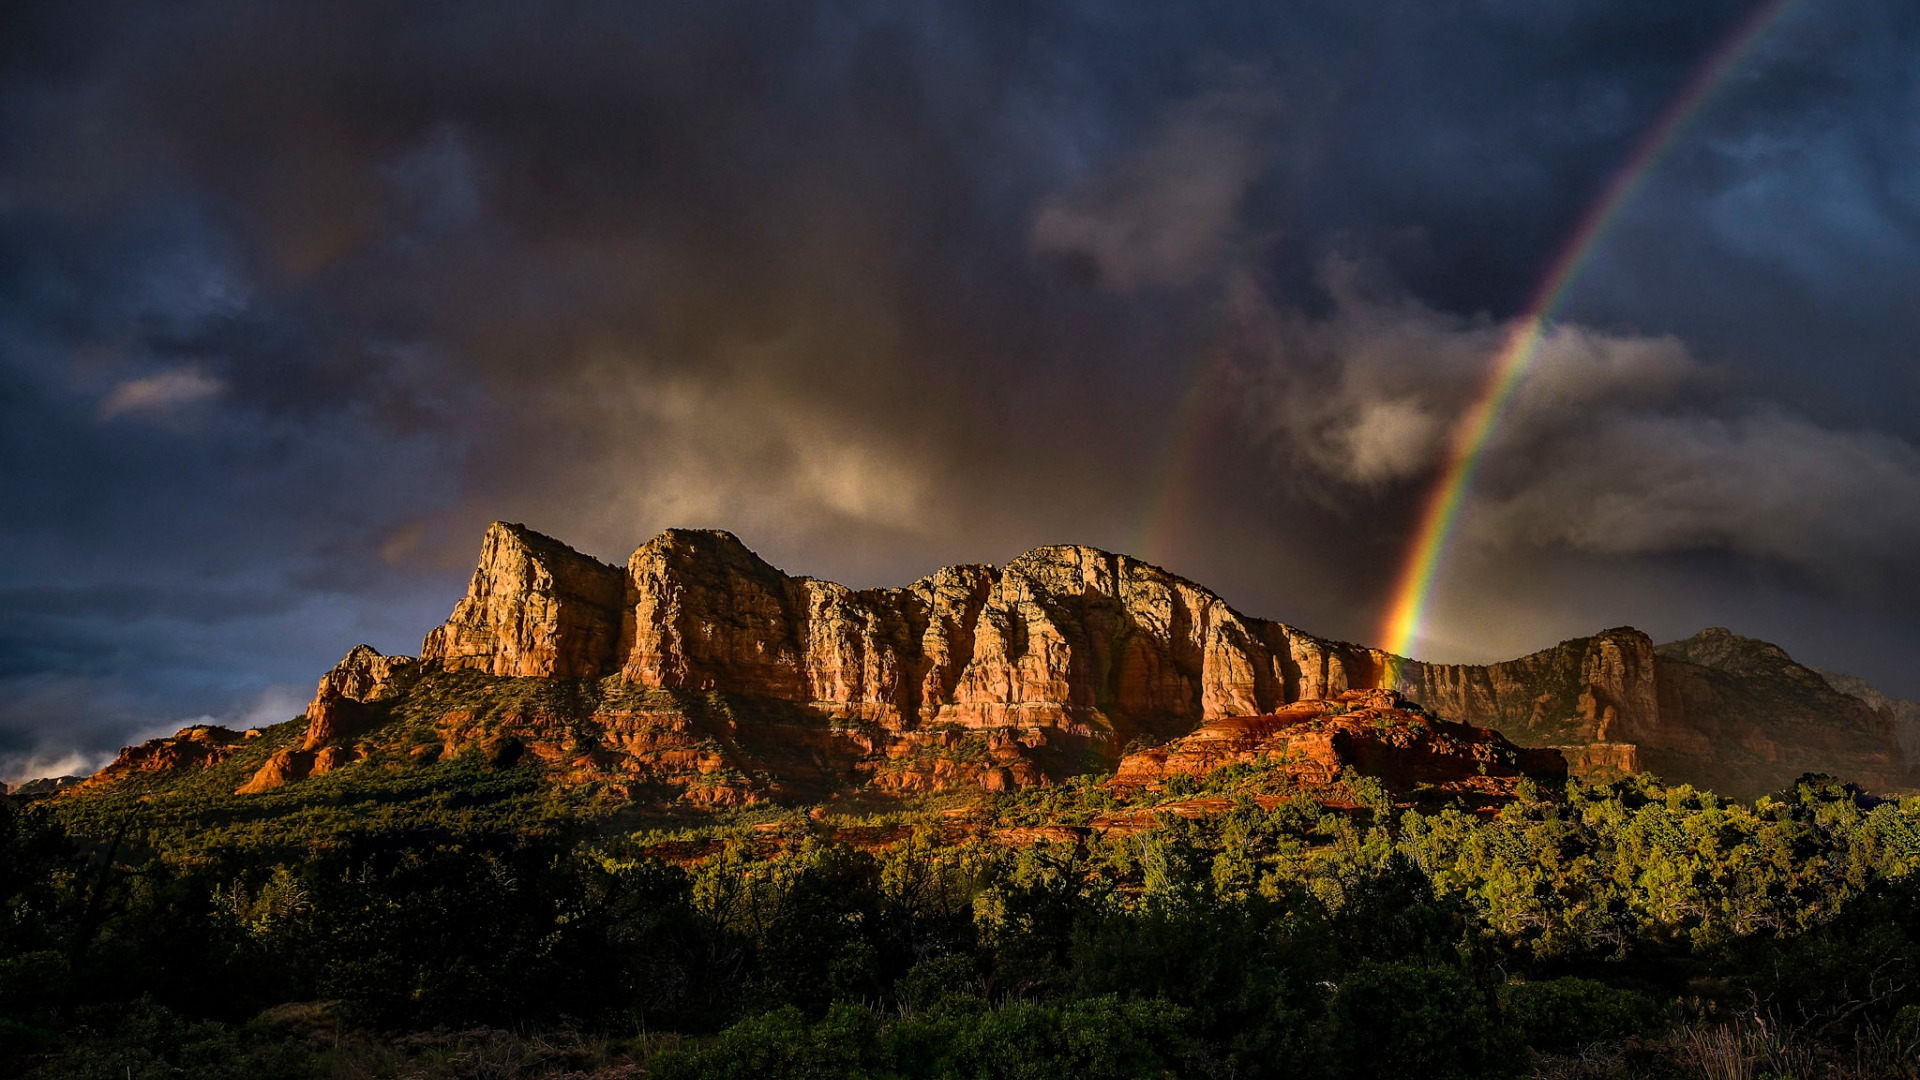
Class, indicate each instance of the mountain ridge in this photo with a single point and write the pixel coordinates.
(701, 671)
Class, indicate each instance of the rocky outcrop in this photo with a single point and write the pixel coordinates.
(288, 765)
(1601, 762)
(350, 701)
(188, 750)
(1096, 651)
(1376, 733)
(1594, 699)
(40, 786)
(535, 607)
(1716, 710)
(1599, 689)
(343, 705)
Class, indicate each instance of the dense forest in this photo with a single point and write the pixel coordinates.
(476, 922)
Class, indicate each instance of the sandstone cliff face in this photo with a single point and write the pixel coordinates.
(702, 671)
(1601, 689)
(1098, 650)
(346, 704)
(1093, 644)
(339, 708)
(535, 607)
(1592, 699)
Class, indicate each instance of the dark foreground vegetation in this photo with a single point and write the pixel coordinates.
(470, 929)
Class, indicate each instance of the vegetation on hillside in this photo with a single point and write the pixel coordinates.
(462, 920)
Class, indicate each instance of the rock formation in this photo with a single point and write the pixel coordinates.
(347, 704)
(342, 706)
(1600, 689)
(291, 764)
(1375, 733)
(1716, 710)
(1064, 637)
(1069, 638)
(702, 672)
(535, 607)
(39, 786)
(1740, 716)
(189, 749)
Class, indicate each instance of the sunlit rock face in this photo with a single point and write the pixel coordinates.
(535, 607)
(1106, 650)
(702, 672)
(339, 708)
(1095, 644)
(1374, 733)
(348, 703)
(188, 750)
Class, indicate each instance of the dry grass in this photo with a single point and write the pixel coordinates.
(1750, 1047)
(492, 1054)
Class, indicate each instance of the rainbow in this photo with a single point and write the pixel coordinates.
(1475, 429)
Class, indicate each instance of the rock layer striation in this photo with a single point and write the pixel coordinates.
(700, 669)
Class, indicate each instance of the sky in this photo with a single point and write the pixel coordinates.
(295, 298)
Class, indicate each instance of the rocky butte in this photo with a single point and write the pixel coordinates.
(700, 672)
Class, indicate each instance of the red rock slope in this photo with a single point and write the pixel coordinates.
(1375, 733)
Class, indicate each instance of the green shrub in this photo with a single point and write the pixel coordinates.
(1411, 1019)
(148, 1042)
(782, 1045)
(1562, 1015)
(1100, 1038)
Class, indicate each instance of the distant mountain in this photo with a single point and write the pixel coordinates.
(45, 785)
(1766, 715)
(698, 673)
(1716, 710)
(1906, 714)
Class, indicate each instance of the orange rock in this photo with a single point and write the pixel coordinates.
(189, 749)
(1375, 733)
(535, 607)
(1066, 639)
(340, 707)
(282, 767)
(291, 764)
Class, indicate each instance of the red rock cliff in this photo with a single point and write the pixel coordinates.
(1107, 650)
(1063, 637)
(535, 607)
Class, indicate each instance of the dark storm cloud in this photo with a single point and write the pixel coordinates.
(1613, 444)
(295, 297)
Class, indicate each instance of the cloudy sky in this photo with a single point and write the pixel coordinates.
(296, 297)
